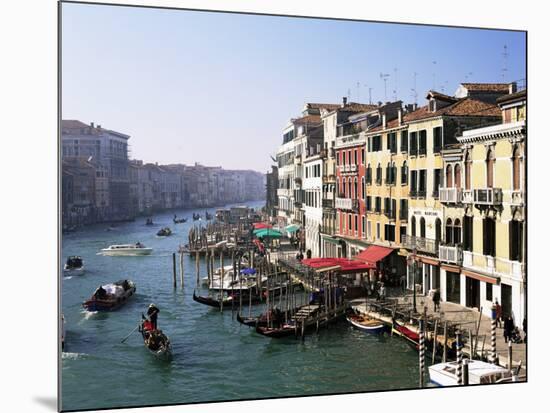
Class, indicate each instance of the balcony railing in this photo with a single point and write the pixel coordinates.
(450, 253)
(450, 195)
(468, 196)
(428, 245)
(488, 196)
(347, 204)
(298, 204)
(517, 198)
(353, 168)
(327, 203)
(390, 214)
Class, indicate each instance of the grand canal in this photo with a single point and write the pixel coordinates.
(215, 358)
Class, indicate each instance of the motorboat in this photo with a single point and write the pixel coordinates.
(110, 296)
(127, 249)
(479, 372)
(364, 323)
(73, 266)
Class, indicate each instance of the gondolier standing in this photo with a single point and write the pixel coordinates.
(152, 313)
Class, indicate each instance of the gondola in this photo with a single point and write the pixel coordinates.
(155, 341)
(179, 221)
(412, 337)
(208, 216)
(196, 216)
(164, 232)
(149, 221)
(261, 320)
(111, 296)
(227, 301)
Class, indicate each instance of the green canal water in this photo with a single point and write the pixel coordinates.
(215, 358)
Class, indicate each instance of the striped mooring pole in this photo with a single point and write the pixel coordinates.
(421, 355)
(493, 334)
(458, 359)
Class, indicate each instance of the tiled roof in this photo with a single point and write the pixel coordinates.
(73, 124)
(358, 107)
(308, 119)
(329, 106)
(487, 87)
(513, 96)
(394, 123)
(441, 96)
(463, 107)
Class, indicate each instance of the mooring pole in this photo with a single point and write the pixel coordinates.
(465, 373)
(444, 358)
(197, 266)
(181, 269)
(493, 335)
(174, 269)
(458, 359)
(421, 357)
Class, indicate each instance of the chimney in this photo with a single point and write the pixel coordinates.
(99, 126)
(399, 115)
(384, 120)
(92, 124)
(512, 87)
(379, 103)
(344, 101)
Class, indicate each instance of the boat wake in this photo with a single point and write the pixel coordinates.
(73, 356)
(68, 277)
(88, 314)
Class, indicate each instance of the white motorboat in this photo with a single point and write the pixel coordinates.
(127, 249)
(479, 372)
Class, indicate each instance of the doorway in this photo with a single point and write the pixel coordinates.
(472, 292)
(506, 297)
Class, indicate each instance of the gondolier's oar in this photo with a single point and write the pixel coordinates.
(124, 339)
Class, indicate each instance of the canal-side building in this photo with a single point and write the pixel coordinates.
(313, 209)
(271, 185)
(285, 191)
(77, 192)
(386, 187)
(431, 129)
(331, 245)
(107, 150)
(493, 200)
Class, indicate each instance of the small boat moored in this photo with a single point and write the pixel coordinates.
(367, 324)
(479, 372)
(149, 221)
(155, 341)
(127, 249)
(110, 296)
(179, 220)
(74, 266)
(164, 232)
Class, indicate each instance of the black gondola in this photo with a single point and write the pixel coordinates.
(227, 301)
(164, 232)
(149, 221)
(179, 221)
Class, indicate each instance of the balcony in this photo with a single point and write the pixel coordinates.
(329, 179)
(327, 203)
(488, 196)
(390, 214)
(430, 246)
(451, 253)
(353, 168)
(348, 204)
(468, 197)
(347, 168)
(298, 180)
(298, 204)
(517, 198)
(450, 195)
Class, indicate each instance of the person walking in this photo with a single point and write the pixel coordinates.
(382, 292)
(436, 299)
(508, 328)
(525, 329)
(499, 313)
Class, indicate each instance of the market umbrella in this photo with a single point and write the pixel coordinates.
(292, 228)
(248, 271)
(271, 233)
(261, 225)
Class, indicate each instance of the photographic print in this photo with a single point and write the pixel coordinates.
(264, 206)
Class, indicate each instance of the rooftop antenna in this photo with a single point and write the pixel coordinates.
(384, 77)
(444, 86)
(468, 75)
(395, 84)
(414, 93)
(349, 95)
(370, 93)
(433, 74)
(505, 63)
(358, 92)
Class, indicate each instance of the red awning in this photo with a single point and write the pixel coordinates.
(373, 254)
(346, 265)
(261, 225)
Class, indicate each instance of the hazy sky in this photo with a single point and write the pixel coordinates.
(218, 88)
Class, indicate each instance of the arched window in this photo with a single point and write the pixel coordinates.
(467, 170)
(388, 173)
(379, 174)
(458, 177)
(422, 227)
(413, 226)
(449, 231)
(490, 167)
(363, 189)
(355, 194)
(438, 230)
(449, 176)
(516, 170)
(404, 173)
(457, 230)
(369, 174)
